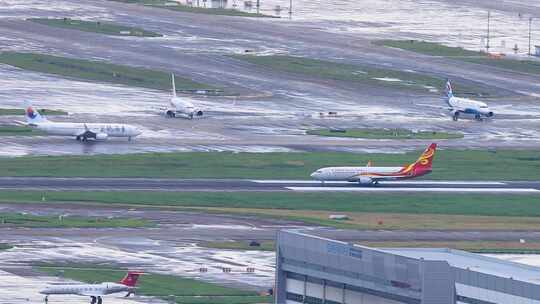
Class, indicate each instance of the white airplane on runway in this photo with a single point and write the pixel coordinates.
(458, 106)
(95, 291)
(81, 131)
(179, 107)
(370, 175)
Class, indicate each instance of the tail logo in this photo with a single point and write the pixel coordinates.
(424, 159)
(31, 113)
(131, 278)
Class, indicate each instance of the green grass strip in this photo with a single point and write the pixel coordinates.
(360, 74)
(4, 246)
(96, 27)
(13, 112)
(448, 164)
(416, 203)
(182, 290)
(384, 134)
(20, 131)
(34, 221)
(99, 71)
(436, 49)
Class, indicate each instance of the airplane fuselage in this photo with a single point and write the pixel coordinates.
(85, 289)
(180, 106)
(369, 175)
(74, 129)
(354, 174)
(469, 106)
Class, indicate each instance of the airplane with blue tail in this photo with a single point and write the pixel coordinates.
(459, 106)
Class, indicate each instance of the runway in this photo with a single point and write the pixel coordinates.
(230, 185)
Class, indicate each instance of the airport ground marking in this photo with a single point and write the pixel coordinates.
(375, 189)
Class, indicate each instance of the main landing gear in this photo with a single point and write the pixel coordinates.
(96, 300)
(81, 138)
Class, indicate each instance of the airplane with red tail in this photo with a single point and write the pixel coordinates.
(370, 175)
(95, 291)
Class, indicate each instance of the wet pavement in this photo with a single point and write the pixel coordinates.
(274, 109)
(171, 247)
(272, 113)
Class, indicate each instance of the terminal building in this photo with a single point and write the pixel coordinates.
(315, 270)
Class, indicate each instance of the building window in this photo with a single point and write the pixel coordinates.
(472, 300)
(313, 300)
(295, 297)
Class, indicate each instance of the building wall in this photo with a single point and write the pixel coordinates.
(315, 271)
(316, 293)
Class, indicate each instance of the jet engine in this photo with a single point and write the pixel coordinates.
(364, 180)
(102, 136)
(199, 113)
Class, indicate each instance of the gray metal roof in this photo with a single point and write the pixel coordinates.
(475, 262)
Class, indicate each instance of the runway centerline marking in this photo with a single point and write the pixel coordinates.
(422, 182)
(373, 189)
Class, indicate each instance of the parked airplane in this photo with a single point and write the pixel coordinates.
(370, 175)
(94, 291)
(458, 105)
(180, 107)
(81, 131)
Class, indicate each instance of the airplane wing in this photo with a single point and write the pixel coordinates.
(85, 133)
(96, 293)
(434, 107)
(21, 123)
(501, 107)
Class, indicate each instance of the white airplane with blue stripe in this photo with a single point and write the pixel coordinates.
(458, 106)
(81, 131)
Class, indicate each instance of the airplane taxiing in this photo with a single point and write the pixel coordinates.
(370, 175)
(458, 105)
(180, 107)
(95, 291)
(81, 131)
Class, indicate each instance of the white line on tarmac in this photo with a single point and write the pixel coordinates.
(371, 189)
(422, 182)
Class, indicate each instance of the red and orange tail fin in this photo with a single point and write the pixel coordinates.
(425, 161)
(131, 278)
